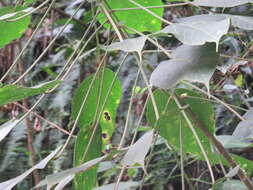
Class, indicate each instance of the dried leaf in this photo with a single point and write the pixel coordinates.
(243, 22)
(122, 186)
(244, 129)
(64, 182)
(6, 128)
(8, 185)
(128, 45)
(10, 15)
(230, 141)
(138, 151)
(198, 33)
(221, 3)
(230, 185)
(68, 175)
(192, 63)
(233, 172)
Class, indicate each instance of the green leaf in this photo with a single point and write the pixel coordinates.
(244, 163)
(29, 2)
(171, 119)
(138, 19)
(87, 180)
(192, 63)
(12, 93)
(12, 30)
(89, 109)
(221, 3)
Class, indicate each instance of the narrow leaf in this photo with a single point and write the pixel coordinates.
(69, 173)
(138, 151)
(12, 93)
(8, 185)
(221, 3)
(192, 63)
(64, 182)
(10, 15)
(6, 128)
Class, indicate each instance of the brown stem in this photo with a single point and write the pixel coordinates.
(32, 155)
(44, 119)
(215, 142)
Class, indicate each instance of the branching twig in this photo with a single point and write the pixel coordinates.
(188, 112)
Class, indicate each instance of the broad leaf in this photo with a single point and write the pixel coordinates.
(8, 185)
(198, 33)
(12, 30)
(12, 93)
(87, 180)
(128, 45)
(230, 185)
(192, 63)
(221, 3)
(138, 151)
(138, 19)
(89, 111)
(54, 179)
(230, 141)
(244, 163)
(243, 22)
(171, 120)
(244, 129)
(122, 186)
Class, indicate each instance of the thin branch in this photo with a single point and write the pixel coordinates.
(196, 137)
(107, 14)
(150, 7)
(44, 119)
(28, 42)
(215, 98)
(244, 179)
(129, 111)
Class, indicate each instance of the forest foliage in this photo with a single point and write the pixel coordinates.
(129, 94)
